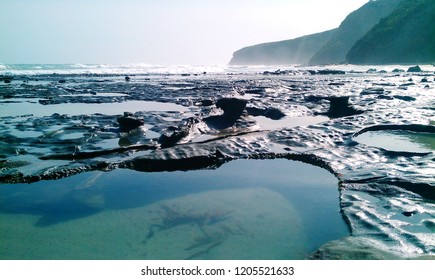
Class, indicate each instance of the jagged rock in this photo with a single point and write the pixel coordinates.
(128, 122)
(169, 140)
(414, 69)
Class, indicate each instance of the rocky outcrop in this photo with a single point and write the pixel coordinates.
(128, 122)
(233, 109)
(294, 51)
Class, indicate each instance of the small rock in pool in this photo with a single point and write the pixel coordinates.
(128, 122)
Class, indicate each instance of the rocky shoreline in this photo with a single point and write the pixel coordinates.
(381, 192)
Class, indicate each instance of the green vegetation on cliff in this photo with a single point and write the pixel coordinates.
(295, 51)
(406, 36)
(352, 29)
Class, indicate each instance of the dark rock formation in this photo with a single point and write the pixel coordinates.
(373, 90)
(204, 103)
(233, 109)
(414, 69)
(340, 107)
(271, 113)
(326, 72)
(128, 122)
(179, 164)
(170, 139)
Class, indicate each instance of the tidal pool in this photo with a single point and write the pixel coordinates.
(399, 140)
(31, 106)
(246, 209)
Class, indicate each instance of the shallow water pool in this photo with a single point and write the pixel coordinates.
(246, 209)
(399, 140)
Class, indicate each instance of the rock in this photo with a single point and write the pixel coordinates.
(369, 91)
(6, 79)
(372, 70)
(169, 140)
(397, 70)
(212, 160)
(277, 72)
(204, 103)
(404, 98)
(339, 107)
(127, 78)
(62, 81)
(327, 72)
(233, 108)
(336, 84)
(414, 69)
(128, 122)
(424, 80)
(407, 84)
(271, 113)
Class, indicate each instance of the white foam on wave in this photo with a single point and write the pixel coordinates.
(109, 69)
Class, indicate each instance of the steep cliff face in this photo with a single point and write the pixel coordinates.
(406, 36)
(295, 51)
(355, 26)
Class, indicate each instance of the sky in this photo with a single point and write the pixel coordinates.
(165, 32)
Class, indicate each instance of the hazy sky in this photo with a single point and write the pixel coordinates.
(155, 31)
